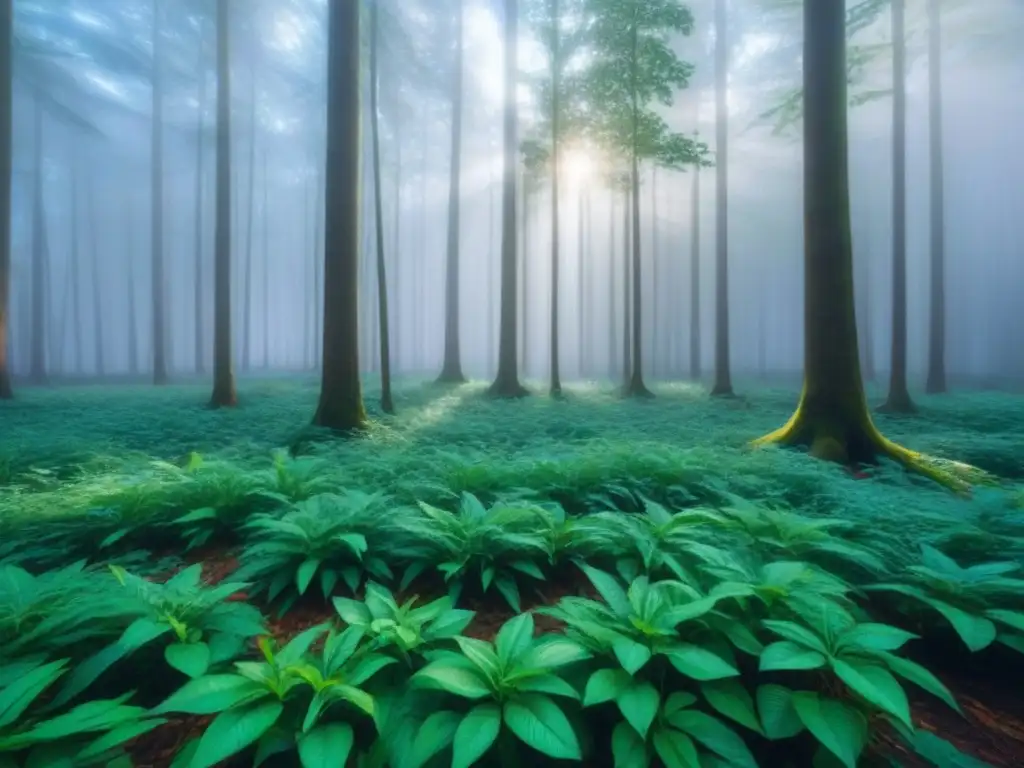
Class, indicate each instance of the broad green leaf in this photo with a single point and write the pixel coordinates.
(609, 589)
(475, 734)
(548, 683)
(977, 632)
(639, 703)
(843, 731)
(785, 655)
(699, 663)
(539, 723)
(326, 746)
(449, 624)
(509, 590)
(19, 692)
(551, 652)
(605, 685)
(778, 716)
(876, 685)
(873, 637)
(732, 699)
(460, 680)
(514, 637)
(481, 654)
(297, 647)
(675, 749)
(118, 736)
(796, 633)
(305, 573)
(919, 676)
(435, 733)
(234, 730)
(631, 654)
(191, 659)
(628, 749)
(1014, 619)
(352, 611)
(715, 735)
(212, 694)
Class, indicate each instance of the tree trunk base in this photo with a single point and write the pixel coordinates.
(341, 420)
(507, 389)
(898, 402)
(451, 375)
(387, 404)
(224, 397)
(722, 390)
(556, 390)
(637, 389)
(6, 390)
(936, 383)
(852, 441)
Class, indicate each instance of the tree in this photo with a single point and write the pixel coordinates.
(6, 135)
(633, 65)
(157, 284)
(723, 379)
(223, 373)
(832, 416)
(695, 369)
(936, 381)
(451, 370)
(341, 397)
(386, 402)
(898, 400)
(506, 381)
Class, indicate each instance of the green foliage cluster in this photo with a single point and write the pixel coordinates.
(731, 600)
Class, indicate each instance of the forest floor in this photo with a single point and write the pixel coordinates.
(84, 470)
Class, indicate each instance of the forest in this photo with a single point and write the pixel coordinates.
(427, 383)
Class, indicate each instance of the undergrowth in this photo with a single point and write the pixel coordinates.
(735, 600)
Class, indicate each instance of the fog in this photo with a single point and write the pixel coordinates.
(83, 101)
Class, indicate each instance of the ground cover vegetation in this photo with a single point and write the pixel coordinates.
(628, 584)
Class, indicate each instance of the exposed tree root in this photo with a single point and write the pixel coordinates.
(861, 442)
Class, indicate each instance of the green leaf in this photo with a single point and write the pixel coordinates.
(628, 749)
(539, 723)
(872, 637)
(675, 749)
(977, 632)
(191, 659)
(481, 654)
(514, 637)
(1014, 619)
(941, 753)
(448, 625)
(796, 633)
(919, 676)
(459, 680)
(609, 589)
(436, 733)
(876, 685)
(297, 647)
(475, 734)
(234, 730)
(698, 663)
(118, 736)
(605, 685)
(778, 715)
(212, 694)
(551, 652)
(19, 693)
(631, 654)
(732, 699)
(509, 590)
(305, 573)
(639, 703)
(326, 746)
(352, 611)
(786, 655)
(715, 735)
(843, 731)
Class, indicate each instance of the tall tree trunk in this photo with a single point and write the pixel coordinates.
(223, 374)
(419, 267)
(635, 386)
(40, 256)
(581, 320)
(309, 290)
(341, 396)
(524, 287)
(97, 277)
(75, 308)
(451, 370)
(132, 323)
(899, 400)
(506, 382)
(627, 339)
(865, 317)
(492, 273)
(6, 162)
(319, 244)
(396, 249)
(656, 355)
(197, 286)
(556, 84)
(157, 285)
(695, 352)
(265, 304)
(832, 416)
(936, 381)
(250, 230)
(612, 321)
(723, 377)
(386, 402)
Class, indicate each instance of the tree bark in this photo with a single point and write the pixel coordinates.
(612, 339)
(556, 84)
(695, 351)
(157, 279)
(265, 304)
(341, 398)
(40, 257)
(656, 356)
(635, 386)
(723, 377)
(936, 381)
(506, 382)
(386, 401)
(223, 374)
(133, 332)
(581, 320)
(451, 370)
(6, 163)
(250, 230)
(75, 309)
(627, 352)
(197, 287)
(899, 400)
